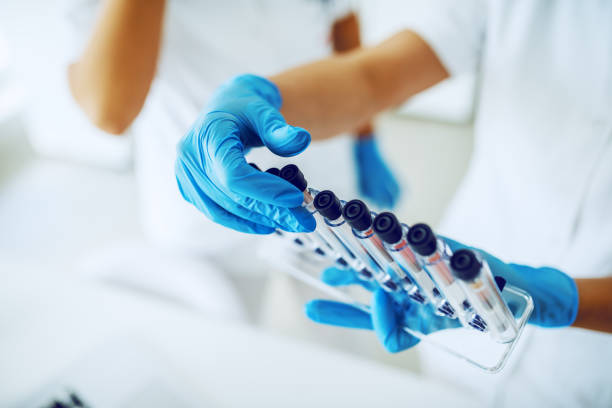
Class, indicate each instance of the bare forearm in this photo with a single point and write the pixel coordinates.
(595, 304)
(344, 92)
(346, 36)
(111, 80)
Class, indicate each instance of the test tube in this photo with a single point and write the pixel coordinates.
(434, 255)
(322, 235)
(393, 235)
(475, 276)
(359, 217)
(330, 207)
(299, 238)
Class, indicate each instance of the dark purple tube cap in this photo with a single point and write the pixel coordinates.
(292, 174)
(387, 227)
(357, 214)
(328, 205)
(422, 239)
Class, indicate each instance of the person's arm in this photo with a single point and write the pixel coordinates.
(375, 180)
(595, 304)
(346, 36)
(111, 79)
(327, 98)
(343, 92)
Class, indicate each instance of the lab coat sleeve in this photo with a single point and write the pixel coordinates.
(454, 29)
(338, 9)
(57, 126)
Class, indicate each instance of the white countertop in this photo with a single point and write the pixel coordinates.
(49, 323)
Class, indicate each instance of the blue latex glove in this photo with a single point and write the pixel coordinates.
(376, 182)
(211, 169)
(388, 316)
(554, 293)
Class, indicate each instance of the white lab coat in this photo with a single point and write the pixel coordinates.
(204, 44)
(539, 187)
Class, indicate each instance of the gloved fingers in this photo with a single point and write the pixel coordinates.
(239, 188)
(337, 314)
(287, 219)
(388, 325)
(304, 217)
(335, 276)
(203, 187)
(224, 162)
(282, 139)
(212, 210)
(296, 219)
(422, 318)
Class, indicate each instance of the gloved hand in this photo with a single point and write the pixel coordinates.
(387, 318)
(211, 169)
(376, 182)
(554, 294)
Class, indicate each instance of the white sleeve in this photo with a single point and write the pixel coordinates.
(338, 9)
(454, 29)
(57, 127)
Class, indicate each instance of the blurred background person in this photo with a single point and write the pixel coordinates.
(70, 205)
(537, 191)
(145, 68)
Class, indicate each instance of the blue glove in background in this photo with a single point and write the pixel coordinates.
(554, 294)
(375, 180)
(211, 170)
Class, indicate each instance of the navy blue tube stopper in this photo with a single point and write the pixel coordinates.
(357, 214)
(292, 174)
(328, 205)
(422, 239)
(387, 227)
(465, 265)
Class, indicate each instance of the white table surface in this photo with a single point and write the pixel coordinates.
(48, 321)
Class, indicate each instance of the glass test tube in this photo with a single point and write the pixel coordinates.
(434, 255)
(393, 235)
(358, 216)
(299, 238)
(322, 235)
(330, 207)
(475, 276)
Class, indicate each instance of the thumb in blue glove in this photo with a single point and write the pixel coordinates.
(388, 318)
(211, 170)
(375, 180)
